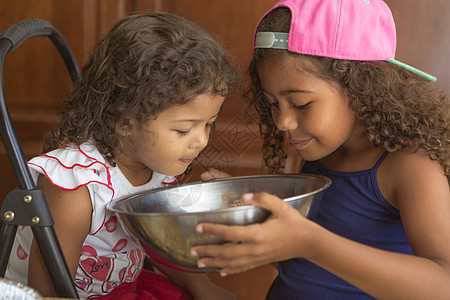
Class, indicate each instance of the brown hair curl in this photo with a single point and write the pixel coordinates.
(144, 64)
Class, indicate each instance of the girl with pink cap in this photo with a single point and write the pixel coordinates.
(325, 82)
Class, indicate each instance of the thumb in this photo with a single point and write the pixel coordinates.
(267, 201)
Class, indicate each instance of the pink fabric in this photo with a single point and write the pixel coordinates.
(343, 29)
(148, 286)
(161, 260)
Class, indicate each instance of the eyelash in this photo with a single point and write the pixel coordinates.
(299, 107)
(182, 132)
(275, 104)
(209, 125)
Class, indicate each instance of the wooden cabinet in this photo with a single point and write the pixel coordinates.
(35, 77)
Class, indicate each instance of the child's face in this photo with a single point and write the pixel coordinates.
(169, 143)
(314, 115)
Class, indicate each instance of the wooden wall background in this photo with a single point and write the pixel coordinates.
(35, 77)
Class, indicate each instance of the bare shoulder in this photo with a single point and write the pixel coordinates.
(405, 175)
(69, 207)
(419, 189)
(417, 163)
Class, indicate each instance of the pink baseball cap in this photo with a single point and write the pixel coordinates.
(361, 30)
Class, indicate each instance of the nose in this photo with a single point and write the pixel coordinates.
(286, 119)
(201, 140)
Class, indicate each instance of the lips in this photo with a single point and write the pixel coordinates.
(186, 161)
(299, 144)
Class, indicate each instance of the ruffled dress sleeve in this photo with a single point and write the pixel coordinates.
(73, 167)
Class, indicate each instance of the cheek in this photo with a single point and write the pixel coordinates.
(328, 124)
(143, 140)
(338, 126)
(169, 147)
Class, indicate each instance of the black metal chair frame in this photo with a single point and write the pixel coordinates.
(26, 204)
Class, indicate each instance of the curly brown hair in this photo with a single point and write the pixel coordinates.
(398, 109)
(143, 65)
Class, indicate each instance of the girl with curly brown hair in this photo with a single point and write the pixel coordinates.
(141, 112)
(325, 82)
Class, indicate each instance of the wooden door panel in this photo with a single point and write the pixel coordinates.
(423, 36)
(35, 76)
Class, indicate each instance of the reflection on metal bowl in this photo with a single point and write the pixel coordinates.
(165, 219)
(15, 290)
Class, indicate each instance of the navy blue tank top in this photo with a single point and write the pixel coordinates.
(352, 207)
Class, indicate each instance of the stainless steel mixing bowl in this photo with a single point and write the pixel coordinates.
(165, 219)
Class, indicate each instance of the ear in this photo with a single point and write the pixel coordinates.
(124, 132)
(125, 128)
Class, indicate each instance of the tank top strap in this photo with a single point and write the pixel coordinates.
(380, 160)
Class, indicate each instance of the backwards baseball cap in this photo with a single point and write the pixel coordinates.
(361, 30)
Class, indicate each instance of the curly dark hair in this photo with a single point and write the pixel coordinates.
(398, 109)
(144, 64)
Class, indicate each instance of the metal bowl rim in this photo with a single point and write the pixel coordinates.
(111, 206)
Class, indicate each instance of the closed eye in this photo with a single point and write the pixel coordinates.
(301, 107)
(186, 132)
(181, 132)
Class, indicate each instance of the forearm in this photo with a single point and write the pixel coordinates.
(38, 277)
(382, 274)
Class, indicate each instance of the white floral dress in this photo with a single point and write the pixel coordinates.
(109, 255)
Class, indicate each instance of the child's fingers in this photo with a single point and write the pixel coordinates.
(226, 232)
(251, 245)
(267, 201)
(226, 268)
(217, 256)
(214, 256)
(249, 233)
(231, 258)
(238, 236)
(212, 173)
(205, 176)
